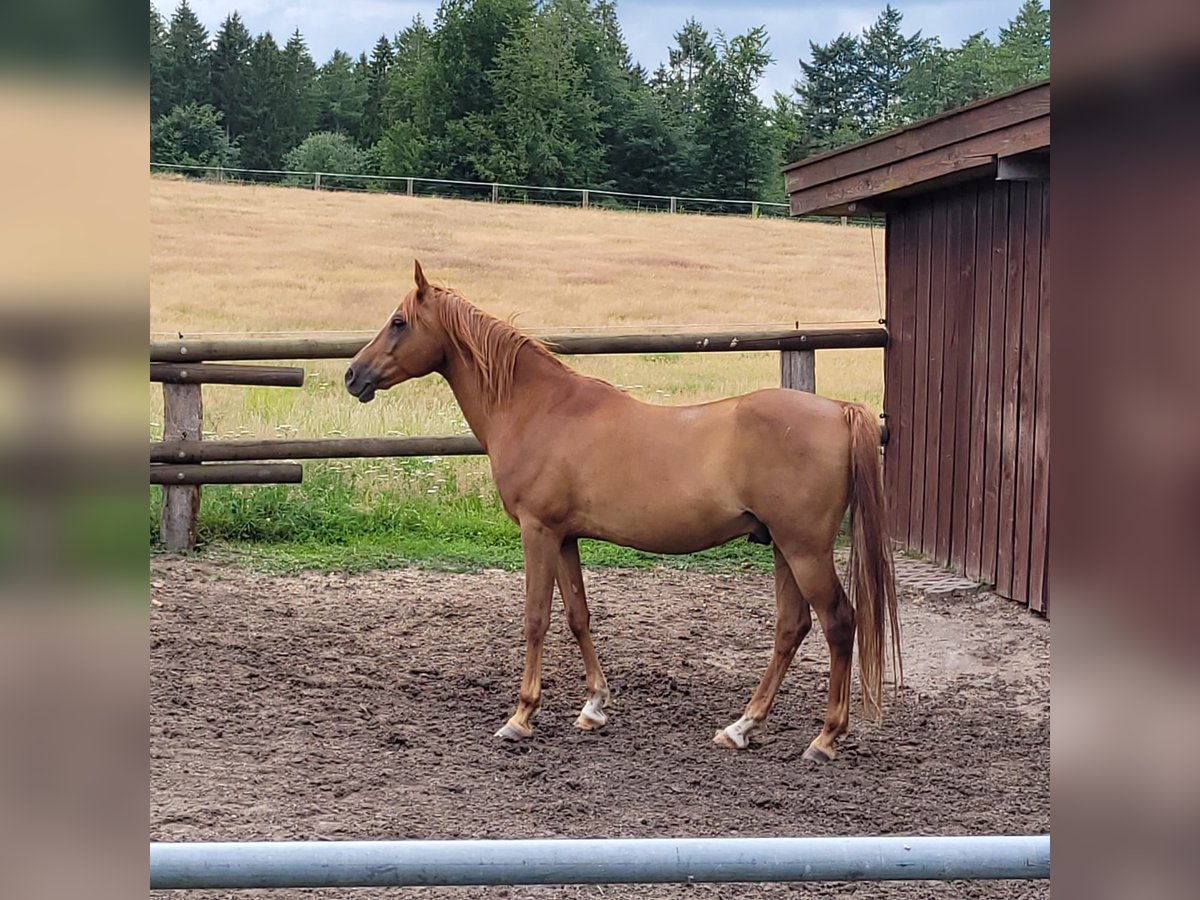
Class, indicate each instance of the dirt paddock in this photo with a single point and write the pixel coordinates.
(330, 706)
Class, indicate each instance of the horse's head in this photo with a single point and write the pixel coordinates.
(408, 346)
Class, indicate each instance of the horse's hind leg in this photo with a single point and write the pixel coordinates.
(792, 623)
(570, 585)
(819, 581)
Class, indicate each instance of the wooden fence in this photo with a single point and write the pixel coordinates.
(182, 460)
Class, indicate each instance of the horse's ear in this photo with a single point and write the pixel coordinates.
(422, 281)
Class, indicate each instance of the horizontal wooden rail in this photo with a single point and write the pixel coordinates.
(321, 448)
(214, 373)
(257, 473)
(318, 448)
(571, 344)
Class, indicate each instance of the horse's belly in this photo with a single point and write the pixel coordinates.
(677, 529)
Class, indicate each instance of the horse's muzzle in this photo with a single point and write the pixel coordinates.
(359, 384)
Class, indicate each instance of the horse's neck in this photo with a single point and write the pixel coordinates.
(535, 380)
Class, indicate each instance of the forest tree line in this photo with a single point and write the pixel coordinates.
(546, 93)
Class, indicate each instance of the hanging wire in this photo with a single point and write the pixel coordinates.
(875, 263)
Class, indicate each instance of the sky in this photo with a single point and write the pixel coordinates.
(355, 25)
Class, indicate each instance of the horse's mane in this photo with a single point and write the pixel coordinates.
(490, 344)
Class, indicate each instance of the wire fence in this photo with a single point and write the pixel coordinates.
(496, 192)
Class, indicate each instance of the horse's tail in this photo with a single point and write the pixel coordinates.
(872, 581)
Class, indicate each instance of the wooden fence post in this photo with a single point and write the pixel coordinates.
(798, 370)
(317, 181)
(585, 199)
(495, 192)
(409, 186)
(182, 417)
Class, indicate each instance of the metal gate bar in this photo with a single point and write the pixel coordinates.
(316, 864)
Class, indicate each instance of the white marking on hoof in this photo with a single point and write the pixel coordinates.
(593, 715)
(737, 735)
(511, 732)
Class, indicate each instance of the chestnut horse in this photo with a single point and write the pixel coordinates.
(575, 457)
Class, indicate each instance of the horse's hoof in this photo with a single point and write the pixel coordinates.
(817, 755)
(592, 717)
(731, 741)
(737, 735)
(513, 732)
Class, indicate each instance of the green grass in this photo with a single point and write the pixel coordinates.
(351, 517)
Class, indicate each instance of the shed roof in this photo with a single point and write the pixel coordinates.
(958, 145)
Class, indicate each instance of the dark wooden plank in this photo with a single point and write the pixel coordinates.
(956, 213)
(193, 451)
(937, 331)
(1027, 392)
(981, 320)
(1015, 293)
(978, 153)
(965, 367)
(908, 333)
(893, 389)
(218, 373)
(227, 473)
(1039, 532)
(987, 115)
(920, 365)
(994, 419)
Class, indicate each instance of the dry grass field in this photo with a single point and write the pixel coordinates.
(246, 259)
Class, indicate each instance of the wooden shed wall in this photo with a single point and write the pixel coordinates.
(967, 381)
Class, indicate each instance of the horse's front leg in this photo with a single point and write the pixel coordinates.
(542, 547)
(570, 585)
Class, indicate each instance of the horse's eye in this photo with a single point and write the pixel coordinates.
(398, 323)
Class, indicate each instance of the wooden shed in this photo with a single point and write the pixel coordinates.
(966, 197)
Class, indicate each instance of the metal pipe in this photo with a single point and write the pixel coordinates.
(317, 864)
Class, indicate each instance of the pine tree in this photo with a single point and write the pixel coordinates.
(459, 97)
(187, 58)
(160, 90)
(262, 143)
(373, 122)
(230, 71)
(677, 89)
(645, 156)
(548, 123)
(406, 82)
(1024, 50)
(832, 93)
(887, 55)
(972, 73)
(341, 96)
(732, 135)
(298, 111)
(790, 137)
